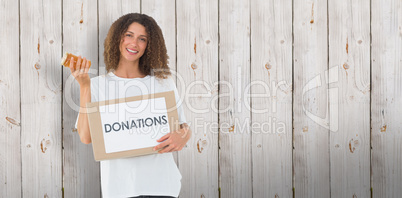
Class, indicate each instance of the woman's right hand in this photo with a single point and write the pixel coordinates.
(80, 72)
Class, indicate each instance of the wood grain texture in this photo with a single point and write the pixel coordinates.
(386, 103)
(311, 126)
(81, 174)
(271, 98)
(41, 86)
(236, 42)
(10, 126)
(234, 116)
(197, 76)
(349, 57)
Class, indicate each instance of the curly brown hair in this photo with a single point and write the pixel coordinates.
(154, 61)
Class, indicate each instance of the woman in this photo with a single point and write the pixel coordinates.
(135, 55)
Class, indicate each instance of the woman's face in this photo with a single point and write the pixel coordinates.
(133, 43)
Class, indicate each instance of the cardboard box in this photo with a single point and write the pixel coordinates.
(128, 127)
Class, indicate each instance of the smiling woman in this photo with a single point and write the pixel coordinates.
(135, 52)
(136, 32)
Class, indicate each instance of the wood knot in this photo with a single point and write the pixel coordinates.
(268, 66)
(193, 66)
(353, 144)
(200, 147)
(345, 66)
(231, 129)
(384, 128)
(42, 146)
(12, 121)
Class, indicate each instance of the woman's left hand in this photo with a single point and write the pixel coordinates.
(175, 140)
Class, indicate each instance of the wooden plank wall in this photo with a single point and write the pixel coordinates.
(386, 80)
(349, 59)
(285, 98)
(235, 167)
(80, 176)
(197, 66)
(41, 96)
(310, 100)
(10, 105)
(271, 98)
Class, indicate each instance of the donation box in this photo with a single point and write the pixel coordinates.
(128, 127)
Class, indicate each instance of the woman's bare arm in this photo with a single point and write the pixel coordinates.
(80, 72)
(83, 125)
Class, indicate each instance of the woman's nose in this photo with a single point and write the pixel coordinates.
(134, 42)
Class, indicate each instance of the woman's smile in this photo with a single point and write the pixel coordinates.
(132, 51)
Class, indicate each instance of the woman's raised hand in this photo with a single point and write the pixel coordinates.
(80, 71)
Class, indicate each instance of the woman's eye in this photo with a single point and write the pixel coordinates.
(143, 39)
(129, 35)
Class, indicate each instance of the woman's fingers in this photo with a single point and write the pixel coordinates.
(169, 148)
(78, 64)
(83, 65)
(163, 138)
(161, 145)
(78, 68)
(72, 65)
(86, 66)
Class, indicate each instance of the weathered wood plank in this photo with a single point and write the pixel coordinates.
(10, 130)
(386, 103)
(234, 115)
(271, 98)
(41, 87)
(80, 171)
(311, 123)
(349, 56)
(197, 70)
